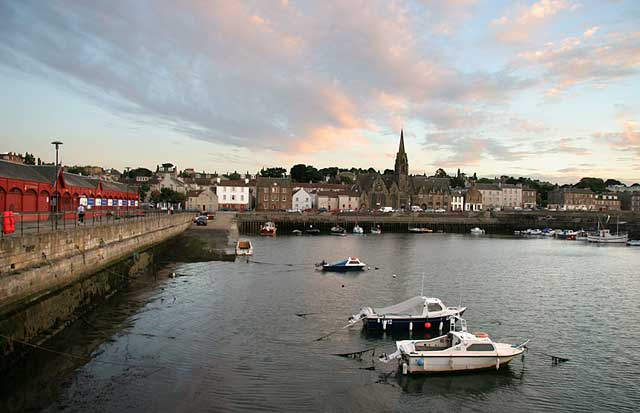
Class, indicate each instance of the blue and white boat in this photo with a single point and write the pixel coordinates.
(419, 313)
(349, 264)
(358, 229)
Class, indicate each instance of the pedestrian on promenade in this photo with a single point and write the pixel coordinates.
(81, 213)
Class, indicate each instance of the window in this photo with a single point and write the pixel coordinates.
(233, 197)
(284, 198)
(480, 347)
(224, 189)
(274, 190)
(224, 197)
(434, 307)
(242, 198)
(266, 197)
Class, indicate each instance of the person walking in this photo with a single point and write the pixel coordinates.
(81, 213)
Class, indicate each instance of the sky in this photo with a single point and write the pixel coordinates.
(548, 89)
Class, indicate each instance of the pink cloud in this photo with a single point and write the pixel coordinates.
(525, 22)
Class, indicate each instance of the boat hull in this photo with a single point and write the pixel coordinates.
(408, 324)
(609, 240)
(268, 232)
(430, 364)
(342, 268)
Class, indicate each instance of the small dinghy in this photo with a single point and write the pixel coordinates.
(296, 232)
(244, 248)
(457, 351)
(358, 229)
(312, 231)
(349, 264)
(376, 230)
(338, 230)
(633, 243)
(418, 230)
(477, 231)
(268, 229)
(415, 314)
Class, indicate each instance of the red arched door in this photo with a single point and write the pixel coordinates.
(30, 201)
(14, 200)
(3, 197)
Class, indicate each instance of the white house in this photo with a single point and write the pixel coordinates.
(234, 194)
(302, 200)
(457, 201)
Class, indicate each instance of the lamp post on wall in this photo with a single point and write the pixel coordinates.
(55, 184)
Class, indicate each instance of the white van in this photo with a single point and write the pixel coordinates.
(386, 209)
(416, 208)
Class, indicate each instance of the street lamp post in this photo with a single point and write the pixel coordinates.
(55, 183)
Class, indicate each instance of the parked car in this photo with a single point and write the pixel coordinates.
(440, 210)
(322, 210)
(202, 220)
(416, 208)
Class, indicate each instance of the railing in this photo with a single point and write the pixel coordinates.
(43, 222)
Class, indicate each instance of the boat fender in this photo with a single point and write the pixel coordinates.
(410, 325)
(405, 368)
(420, 362)
(441, 325)
(427, 325)
(384, 325)
(497, 363)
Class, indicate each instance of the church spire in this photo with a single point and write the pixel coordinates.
(401, 148)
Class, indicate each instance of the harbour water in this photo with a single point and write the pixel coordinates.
(225, 336)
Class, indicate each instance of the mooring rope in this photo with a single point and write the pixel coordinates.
(84, 358)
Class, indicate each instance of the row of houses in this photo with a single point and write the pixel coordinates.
(583, 199)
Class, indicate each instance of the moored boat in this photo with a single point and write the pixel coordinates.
(338, 230)
(420, 230)
(633, 243)
(349, 264)
(358, 229)
(415, 314)
(244, 248)
(312, 231)
(477, 231)
(457, 351)
(296, 232)
(268, 229)
(376, 230)
(604, 236)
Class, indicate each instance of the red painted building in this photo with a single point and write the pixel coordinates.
(30, 189)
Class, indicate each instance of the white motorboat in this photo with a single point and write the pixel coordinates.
(419, 230)
(338, 230)
(604, 236)
(244, 248)
(415, 314)
(457, 351)
(358, 229)
(268, 229)
(633, 243)
(296, 232)
(477, 231)
(533, 232)
(376, 230)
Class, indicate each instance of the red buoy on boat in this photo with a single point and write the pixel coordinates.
(427, 325)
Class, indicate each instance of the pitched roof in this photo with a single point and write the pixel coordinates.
(21, 171)
(234, 182)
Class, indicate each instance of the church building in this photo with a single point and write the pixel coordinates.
(399, 190)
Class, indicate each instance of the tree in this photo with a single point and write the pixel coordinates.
(185, 175)
(74, 169)
(612, 182)
(277, 172)
(389, 172)
(486, 181)
(29, 159)
(456, 181)
(595, 184)
(441, 173)
(234, 176)
(298, 173)
(346, 180)
(144, 190)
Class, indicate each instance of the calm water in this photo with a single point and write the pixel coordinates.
(226, 337)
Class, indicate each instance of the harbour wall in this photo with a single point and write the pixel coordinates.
(46, 279)
(491, 222)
